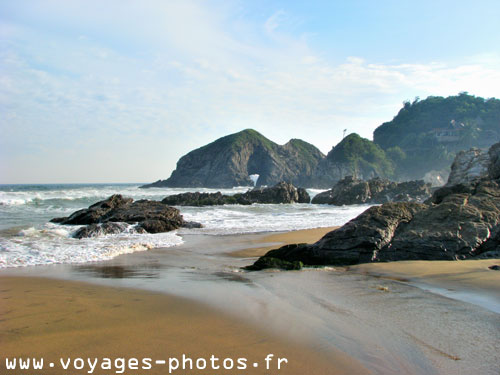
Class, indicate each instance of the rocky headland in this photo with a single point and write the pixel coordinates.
(282, 192)
(419, 143)
(351, 190)
(229, 161)
(112, 215)
(460, 221)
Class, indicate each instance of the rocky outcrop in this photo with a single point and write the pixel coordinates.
(459, 222)
(108, 216)
(280, 193)
(230, 160)
(351, 190)
(96, 212)
(198, 199)
(468, 166)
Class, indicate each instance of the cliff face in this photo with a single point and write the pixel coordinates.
(230, 160)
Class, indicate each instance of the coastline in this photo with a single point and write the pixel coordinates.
(363, 320)
(275, 240)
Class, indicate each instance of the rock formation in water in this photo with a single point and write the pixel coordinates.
(460, 221)
(280, 193)
(351, 190)
(230, 160)
(108, 217)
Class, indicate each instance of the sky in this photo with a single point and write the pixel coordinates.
(119, 90)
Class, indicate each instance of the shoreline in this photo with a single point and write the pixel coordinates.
(273, 240)
(340, 310)
(465, 280)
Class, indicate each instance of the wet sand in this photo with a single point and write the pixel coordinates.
(468, 280)
(60, 319)
(275, 240)
(329, 320)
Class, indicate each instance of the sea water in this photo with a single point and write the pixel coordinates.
(28, 238)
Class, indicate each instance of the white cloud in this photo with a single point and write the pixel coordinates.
(142, 85)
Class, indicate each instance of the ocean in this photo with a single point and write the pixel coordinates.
(27, 238)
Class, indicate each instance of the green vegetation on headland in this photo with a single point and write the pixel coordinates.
(424, 136)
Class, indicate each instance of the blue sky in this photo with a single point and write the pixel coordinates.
(118, 90)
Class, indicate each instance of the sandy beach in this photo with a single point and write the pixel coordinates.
(452, 277)
(276, 240)
(63, 319)
(194, 299)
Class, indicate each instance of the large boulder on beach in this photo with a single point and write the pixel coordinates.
(282, 192)
(151, 216)
(459, 222)
(351, 190)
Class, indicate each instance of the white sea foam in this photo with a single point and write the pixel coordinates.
(16, 198)
(26, 237)
(53, 243)
(229, 219)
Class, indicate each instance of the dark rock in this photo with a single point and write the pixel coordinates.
(495, 267)
(462, 222)
(97, 230)
(269, 262)
(192, 224)
(230, 160)
(142, 210)
(96, 212)
(351, 190)
(158, 226)
(280, 193)
(347, 191)
(408, 191)
(494, 164)
(151, 216)
(303, 196)
(468, 166)
(196, 199)
(58, 219)
(443, 192)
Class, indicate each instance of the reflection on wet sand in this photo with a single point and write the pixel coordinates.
(144, 271)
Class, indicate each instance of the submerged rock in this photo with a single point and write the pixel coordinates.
(351, 190)
(459, 222)
(282, 192)
(108, 217)
(97, 230)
